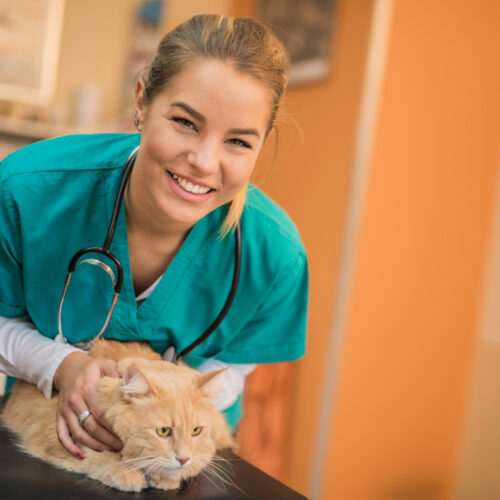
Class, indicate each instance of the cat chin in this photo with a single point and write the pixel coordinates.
(171, 476)
(173, 469)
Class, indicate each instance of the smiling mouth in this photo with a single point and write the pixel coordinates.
(189, 186)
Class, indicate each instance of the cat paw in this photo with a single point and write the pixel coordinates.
(133, 480)
(164, 483)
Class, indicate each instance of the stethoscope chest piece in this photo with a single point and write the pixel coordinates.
(170, 355)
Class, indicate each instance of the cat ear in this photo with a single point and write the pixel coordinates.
(205, 378)
(134, 382)
(207, 384)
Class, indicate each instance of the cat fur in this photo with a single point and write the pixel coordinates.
(151, 394)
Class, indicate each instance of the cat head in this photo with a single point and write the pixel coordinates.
(164, 415)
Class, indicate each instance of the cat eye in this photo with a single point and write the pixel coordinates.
(164, 431)
(196, 431)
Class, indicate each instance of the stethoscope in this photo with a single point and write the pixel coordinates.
(171, 353)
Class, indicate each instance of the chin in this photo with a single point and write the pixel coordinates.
(184, 217)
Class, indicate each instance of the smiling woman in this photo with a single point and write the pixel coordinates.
(202, 132)
(203, 112)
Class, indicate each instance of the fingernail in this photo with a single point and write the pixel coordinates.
(80, 455)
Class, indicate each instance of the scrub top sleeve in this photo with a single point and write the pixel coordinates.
(12, 304)
(277, 332)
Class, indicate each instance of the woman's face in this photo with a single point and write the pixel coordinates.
(200, 139)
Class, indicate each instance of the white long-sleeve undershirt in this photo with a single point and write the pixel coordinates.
(27, 354)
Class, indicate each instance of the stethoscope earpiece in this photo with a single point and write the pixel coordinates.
(170, 354)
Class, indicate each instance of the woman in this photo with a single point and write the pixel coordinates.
(203, 113)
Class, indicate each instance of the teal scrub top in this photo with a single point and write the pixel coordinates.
(57, 197)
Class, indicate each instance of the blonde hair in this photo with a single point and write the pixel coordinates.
(247, 43)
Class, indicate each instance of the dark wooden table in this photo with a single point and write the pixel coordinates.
(26, 478)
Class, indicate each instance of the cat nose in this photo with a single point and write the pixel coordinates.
(183, 460)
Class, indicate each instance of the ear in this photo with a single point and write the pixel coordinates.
(206, 382)
(140, 107)
(135, 383)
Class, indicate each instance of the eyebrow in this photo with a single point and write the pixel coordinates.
(244, 131)
(198, 116)
(190, 110)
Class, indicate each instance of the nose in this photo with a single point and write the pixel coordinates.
(205, 156)
(183, 460)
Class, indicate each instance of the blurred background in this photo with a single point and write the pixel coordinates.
(387, 160)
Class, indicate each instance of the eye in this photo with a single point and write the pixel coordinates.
(184, 122)
(196, 431)
(164, 431)
(240, 142)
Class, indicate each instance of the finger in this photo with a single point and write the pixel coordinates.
(80, 435)
(92, 402)
(74, 404)
(101, 434)
(93, 426)
(65, 437)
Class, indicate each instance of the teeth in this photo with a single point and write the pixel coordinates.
(190, 187)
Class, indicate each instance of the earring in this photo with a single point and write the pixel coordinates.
(136, 121)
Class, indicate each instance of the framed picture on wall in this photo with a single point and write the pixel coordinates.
(305, 28)
(30, 35)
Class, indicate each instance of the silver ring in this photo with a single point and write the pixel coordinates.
(83, 416)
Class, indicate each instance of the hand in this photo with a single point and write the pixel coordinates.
(76, 380)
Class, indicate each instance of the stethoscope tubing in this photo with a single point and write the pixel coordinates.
(104, 250)
(117, 284)
(229, 300)
(127, 170)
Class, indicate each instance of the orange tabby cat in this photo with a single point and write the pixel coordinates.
(160, 411)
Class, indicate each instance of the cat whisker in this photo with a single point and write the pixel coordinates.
(139, 459)
(222, 480)
(131, 467)
(207, 476)
(221, 471)
(154, 466)
(204, 458)
(146, 464)
(218, 461)
(225, 461)
(114, 472)
(217, 471)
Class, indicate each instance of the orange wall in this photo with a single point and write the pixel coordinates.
(312, 183)
(420, 259)
(310, 180)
